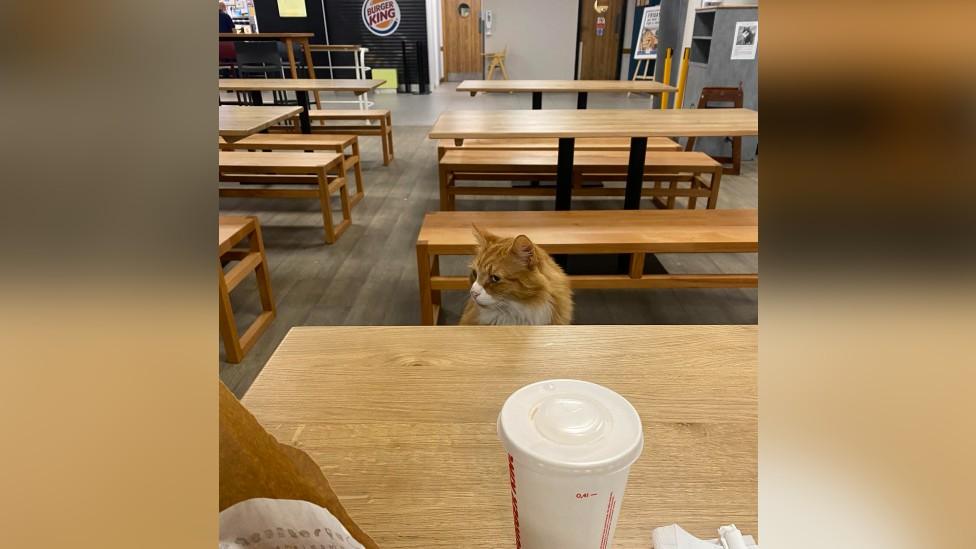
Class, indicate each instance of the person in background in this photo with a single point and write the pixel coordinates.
(226, 23)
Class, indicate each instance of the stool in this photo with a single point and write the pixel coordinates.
(231, 231)
(707, 100)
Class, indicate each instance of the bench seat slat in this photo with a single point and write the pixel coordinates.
(292, 161)
(476, 160)
(297, 141)
(589, 231)
(347, 114)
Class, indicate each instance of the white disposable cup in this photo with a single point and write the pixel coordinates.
(570, 446)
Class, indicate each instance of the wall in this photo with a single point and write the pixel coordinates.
(540, 35)
(345, 26)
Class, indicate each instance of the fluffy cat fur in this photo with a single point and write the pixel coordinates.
(513, 281)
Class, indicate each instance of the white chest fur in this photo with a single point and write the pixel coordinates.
(507, 313)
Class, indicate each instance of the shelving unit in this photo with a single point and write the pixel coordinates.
(711, 65)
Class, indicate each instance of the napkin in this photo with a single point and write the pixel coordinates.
(675, 537)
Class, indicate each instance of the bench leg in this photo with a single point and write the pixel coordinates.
(447, 198)
(228, 326)
(672, 185)
(325, 203)
(360, 190)
(713, 195)
(389, 132)
(693, 200)
(636, 265)
(261, 271)
(423, 278)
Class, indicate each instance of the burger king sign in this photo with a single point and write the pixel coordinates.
(381, 17)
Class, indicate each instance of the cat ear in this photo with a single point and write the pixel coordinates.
(524, 250)
(483, 237)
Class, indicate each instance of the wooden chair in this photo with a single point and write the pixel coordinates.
(307, 142)
(325, 171)
(232, 231)
(635, 232)
(496, 60)
(714, 97)
(382, 129)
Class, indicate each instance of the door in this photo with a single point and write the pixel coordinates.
(462, 39)
(600, 26)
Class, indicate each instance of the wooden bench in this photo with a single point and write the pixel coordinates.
(636, 232)
(233, 230)
(325, 170)
(307, 142)
(675, 168)
(383, 129)
(552, 144)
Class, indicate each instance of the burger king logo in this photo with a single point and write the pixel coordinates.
(381, 17)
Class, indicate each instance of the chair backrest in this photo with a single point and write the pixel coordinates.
(713, 94)
(259, 58)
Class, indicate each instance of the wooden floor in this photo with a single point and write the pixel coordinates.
(369, 276)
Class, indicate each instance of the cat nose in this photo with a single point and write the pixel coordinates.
(475, 293)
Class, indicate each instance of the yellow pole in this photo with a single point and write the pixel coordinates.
(667, 78)
(682, 78)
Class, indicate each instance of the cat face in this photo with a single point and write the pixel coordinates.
(504, 270)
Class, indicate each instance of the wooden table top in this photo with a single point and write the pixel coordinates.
(564, 86)
(402, 421)
(239, 121)
(263, 35)
(299, 84)
(595, 123)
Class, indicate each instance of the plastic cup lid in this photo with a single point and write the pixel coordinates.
(571, 426)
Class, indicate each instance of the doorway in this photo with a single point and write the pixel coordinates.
(600, 37)
(463, 41)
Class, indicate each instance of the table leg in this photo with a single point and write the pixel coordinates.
(632, 196)
(581, 100)
(635, 173)
(303, 118)
(291, 57)
(311, 69)
(536, 106)
(564, 173)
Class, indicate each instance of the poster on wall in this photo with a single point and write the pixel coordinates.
(646, 45)
(745, 39)
(381, 17)
(291, 8)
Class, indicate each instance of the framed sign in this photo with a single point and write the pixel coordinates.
(646, 45)
(745, 39)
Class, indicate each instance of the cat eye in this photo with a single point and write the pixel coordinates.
(494, 279)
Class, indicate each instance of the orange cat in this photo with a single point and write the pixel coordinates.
(513, 281)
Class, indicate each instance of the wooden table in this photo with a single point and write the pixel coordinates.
(239, 121)
(301, 87)
(402, 421)
(288, 38)
(580, 87)
(638, 124)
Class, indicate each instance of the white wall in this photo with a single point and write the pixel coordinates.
(628, 38)
(540, 35)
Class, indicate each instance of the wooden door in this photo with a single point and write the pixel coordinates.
(601, 23)
(462, 39)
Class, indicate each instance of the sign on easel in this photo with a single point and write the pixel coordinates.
(646, 45)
